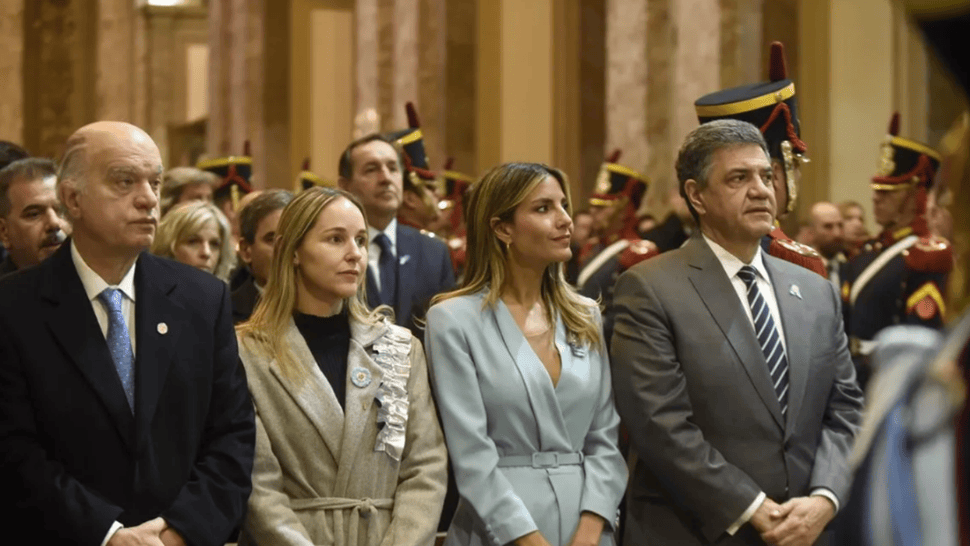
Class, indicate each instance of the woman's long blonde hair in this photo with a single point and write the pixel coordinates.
(265, 331)
(185, 220)
(496, 195)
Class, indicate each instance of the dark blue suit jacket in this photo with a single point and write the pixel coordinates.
(73, 457)
(423, 270)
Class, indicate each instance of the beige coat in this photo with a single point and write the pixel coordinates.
(318, 478)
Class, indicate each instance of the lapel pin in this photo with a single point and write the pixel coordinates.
(405, 258)
(360, 377)
(162, 328)
(794, 291)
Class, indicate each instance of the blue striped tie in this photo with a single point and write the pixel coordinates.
(768, 337)
(119, 342)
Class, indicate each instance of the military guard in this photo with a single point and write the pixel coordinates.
(911, 484)
(772, 107)
(234, 174)
(419, 206)
(308, 179)
(617, 196)
(900, 276)
(452, 205)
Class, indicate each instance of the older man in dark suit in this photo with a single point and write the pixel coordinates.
(124, 412)
(406, 267)
(731, 369)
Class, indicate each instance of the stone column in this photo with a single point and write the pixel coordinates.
(11, 71)
(366, 88)
(430, 78)
(59, 89)
(515, 81)
(844, 122)
(627, 84)
(237, 49)
(461, 76)
(117, 60)
(742, 50)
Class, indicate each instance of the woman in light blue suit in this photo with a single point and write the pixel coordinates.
(521, 376)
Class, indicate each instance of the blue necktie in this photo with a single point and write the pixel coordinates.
(388, 272)
(768, 337)
(119, 342)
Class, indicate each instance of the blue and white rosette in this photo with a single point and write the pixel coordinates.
(392, 351)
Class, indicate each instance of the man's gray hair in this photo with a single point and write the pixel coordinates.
(22, 170)
(695, 157)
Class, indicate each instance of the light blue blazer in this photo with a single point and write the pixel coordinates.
(497, 400)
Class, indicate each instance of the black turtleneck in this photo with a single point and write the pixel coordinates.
(329, 341)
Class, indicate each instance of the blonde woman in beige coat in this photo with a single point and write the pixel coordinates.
(348, 448)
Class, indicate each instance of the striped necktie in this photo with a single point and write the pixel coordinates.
(768, 337)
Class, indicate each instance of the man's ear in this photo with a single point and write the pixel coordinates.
(245, 251)
(410, 200)
(344, 183)
(4, 234)
(501, 230)
(69, 196)
(693, 193)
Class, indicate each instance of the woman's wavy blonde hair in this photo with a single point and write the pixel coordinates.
(496, 195)
(185, 220)
(265, 331)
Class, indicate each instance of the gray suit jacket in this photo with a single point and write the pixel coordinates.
(496, 400)
(692, 387)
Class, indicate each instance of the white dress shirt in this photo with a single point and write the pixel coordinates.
(732, 264)
(374, 249)
(93, 286)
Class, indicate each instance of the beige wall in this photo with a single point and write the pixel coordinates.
(196, 81)
(322, 76)
(873, 65)
(331, 110)
(515, 79)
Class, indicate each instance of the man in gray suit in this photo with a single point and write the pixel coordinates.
(731, 370)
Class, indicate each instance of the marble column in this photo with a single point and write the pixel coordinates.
(237, 49)
(116, 60)
(843, 122)
(742, 50)
(461, 84)
(59, 91)
(11, 70)
(430, 78)
(366, 66)
(627, 81)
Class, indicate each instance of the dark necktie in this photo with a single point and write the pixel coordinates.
(388, 272)
(768, 337)
(119, 342)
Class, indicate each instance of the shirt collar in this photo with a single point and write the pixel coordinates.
(732, 264)
(390, 231)
(94, 284)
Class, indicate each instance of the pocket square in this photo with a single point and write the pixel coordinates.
(794, 291)
(405, 258)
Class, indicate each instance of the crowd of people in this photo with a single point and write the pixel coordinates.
(403, 354)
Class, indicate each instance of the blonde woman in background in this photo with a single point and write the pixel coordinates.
(522, 378)
(348, 446)
(185, 184)
(196, 234)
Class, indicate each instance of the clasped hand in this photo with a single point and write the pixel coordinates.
(154, 532)
(798, 522)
